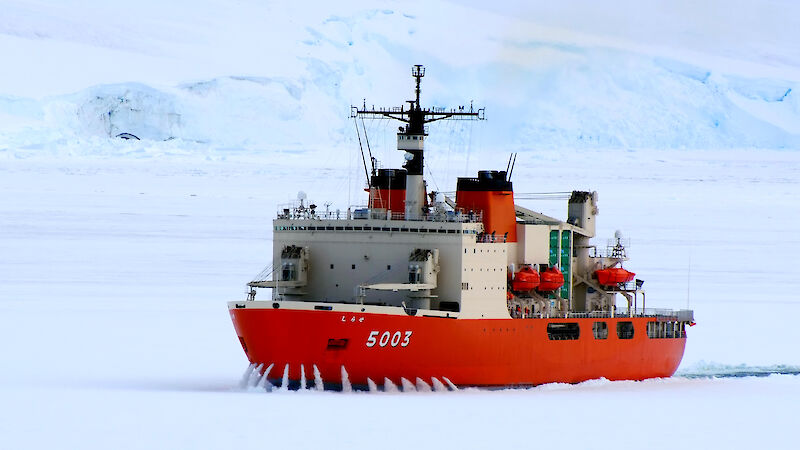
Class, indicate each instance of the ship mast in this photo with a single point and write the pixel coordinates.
(411, 137)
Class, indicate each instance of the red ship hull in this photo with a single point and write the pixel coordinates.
(468, 352)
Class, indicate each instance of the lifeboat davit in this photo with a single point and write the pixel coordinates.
(551, 279)
(525, 280)
(614, 276)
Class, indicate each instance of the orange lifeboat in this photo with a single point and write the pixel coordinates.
(525, 280)
(613, 276)
(551, 279)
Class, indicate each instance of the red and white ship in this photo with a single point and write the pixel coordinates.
(419, 290)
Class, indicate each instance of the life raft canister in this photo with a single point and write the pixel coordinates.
(551, 279)
(525, 280)
(613, 276)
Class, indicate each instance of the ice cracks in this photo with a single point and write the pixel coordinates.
(257, 378)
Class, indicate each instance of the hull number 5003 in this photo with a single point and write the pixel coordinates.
(387, 338)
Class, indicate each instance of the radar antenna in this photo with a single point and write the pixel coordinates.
(416, 116)
(410, 139)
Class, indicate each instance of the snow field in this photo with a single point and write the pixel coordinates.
(729, 413)
(117, 257)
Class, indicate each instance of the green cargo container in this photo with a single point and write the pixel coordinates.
(562, 259)
(553, 247)
(566, 262)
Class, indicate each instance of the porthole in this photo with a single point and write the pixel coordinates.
(600, 330)
(563, 331)
(625, 330)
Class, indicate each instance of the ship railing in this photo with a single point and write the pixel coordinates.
(490, 238)
(292, 212)
(679, 315)
(615, 248)
(629, 286)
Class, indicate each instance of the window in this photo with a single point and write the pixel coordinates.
(288, 272)
(600, 330)
(661, 330)
(464, 286)
(353, 267)
(449, 306)
(563, 331)
(414, 274)
(625, 330)
(388, 267)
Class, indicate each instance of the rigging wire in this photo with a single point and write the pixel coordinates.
(366, 172)
(430, 173)
(448, 168)
(542, 196)
(371, 159)
(469, 151)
